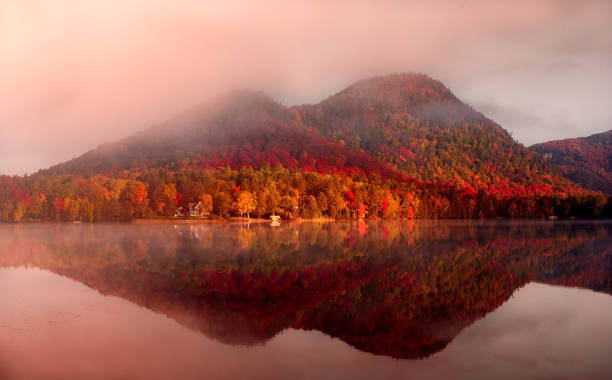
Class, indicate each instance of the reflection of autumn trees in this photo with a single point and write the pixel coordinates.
(397, 289)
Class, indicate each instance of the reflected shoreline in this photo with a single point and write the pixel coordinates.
(403, 290)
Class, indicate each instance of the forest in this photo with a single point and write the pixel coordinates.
(289, 193)
(586, 160)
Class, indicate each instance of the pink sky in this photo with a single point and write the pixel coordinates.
(74, 74)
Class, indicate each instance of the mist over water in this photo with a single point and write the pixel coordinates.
(457, 299)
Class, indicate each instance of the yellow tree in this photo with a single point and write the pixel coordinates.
(169, 199)
(169, 193)
(245, 203)
(19, 211)
(393, 206)
(207, 203)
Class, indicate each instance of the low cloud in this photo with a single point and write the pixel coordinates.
(528, 125)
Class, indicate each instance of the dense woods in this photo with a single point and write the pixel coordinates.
(417, 125)
(401, 146)
(262, 192)
(587, 160)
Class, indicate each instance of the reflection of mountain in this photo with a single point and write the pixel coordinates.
(587, 266)
(402, 290)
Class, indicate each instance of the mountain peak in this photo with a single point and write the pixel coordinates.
(401, 87)
(243, 98)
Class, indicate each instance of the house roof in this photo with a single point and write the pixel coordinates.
(194, 205)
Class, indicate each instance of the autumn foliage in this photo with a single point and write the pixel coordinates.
(401, 146)
(587, 161)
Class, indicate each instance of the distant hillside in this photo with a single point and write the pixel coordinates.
(586, 160)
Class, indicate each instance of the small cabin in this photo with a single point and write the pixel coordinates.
(196, 209)
(275, 218)
(181, 211)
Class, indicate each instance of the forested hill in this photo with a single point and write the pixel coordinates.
(401, 146)
(586, 160)
(416, 124)
(405, 125)
(242, 128)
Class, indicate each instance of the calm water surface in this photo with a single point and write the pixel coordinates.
(376, 300)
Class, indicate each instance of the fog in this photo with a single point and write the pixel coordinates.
(74, 74)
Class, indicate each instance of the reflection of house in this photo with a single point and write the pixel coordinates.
(197, 209)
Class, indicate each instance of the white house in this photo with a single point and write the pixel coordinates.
(196, 209)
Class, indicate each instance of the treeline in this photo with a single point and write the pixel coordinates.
(159, 193)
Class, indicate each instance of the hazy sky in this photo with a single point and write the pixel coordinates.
(76, 73)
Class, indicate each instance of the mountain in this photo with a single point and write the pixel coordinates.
(401, 146)
(243, 128)
(586, 160)
(405, 125)
(417, 125)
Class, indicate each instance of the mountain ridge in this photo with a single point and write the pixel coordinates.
(585, 160)
(417, 124)
(238, 128)
(399, 125)
(400, 146)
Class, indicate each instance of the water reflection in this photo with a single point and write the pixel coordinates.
(403, 290)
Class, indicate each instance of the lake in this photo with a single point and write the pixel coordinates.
(337, 300)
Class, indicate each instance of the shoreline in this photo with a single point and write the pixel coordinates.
(226, 221)
(296, 220)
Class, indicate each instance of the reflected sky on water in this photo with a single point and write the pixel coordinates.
(338, 300)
